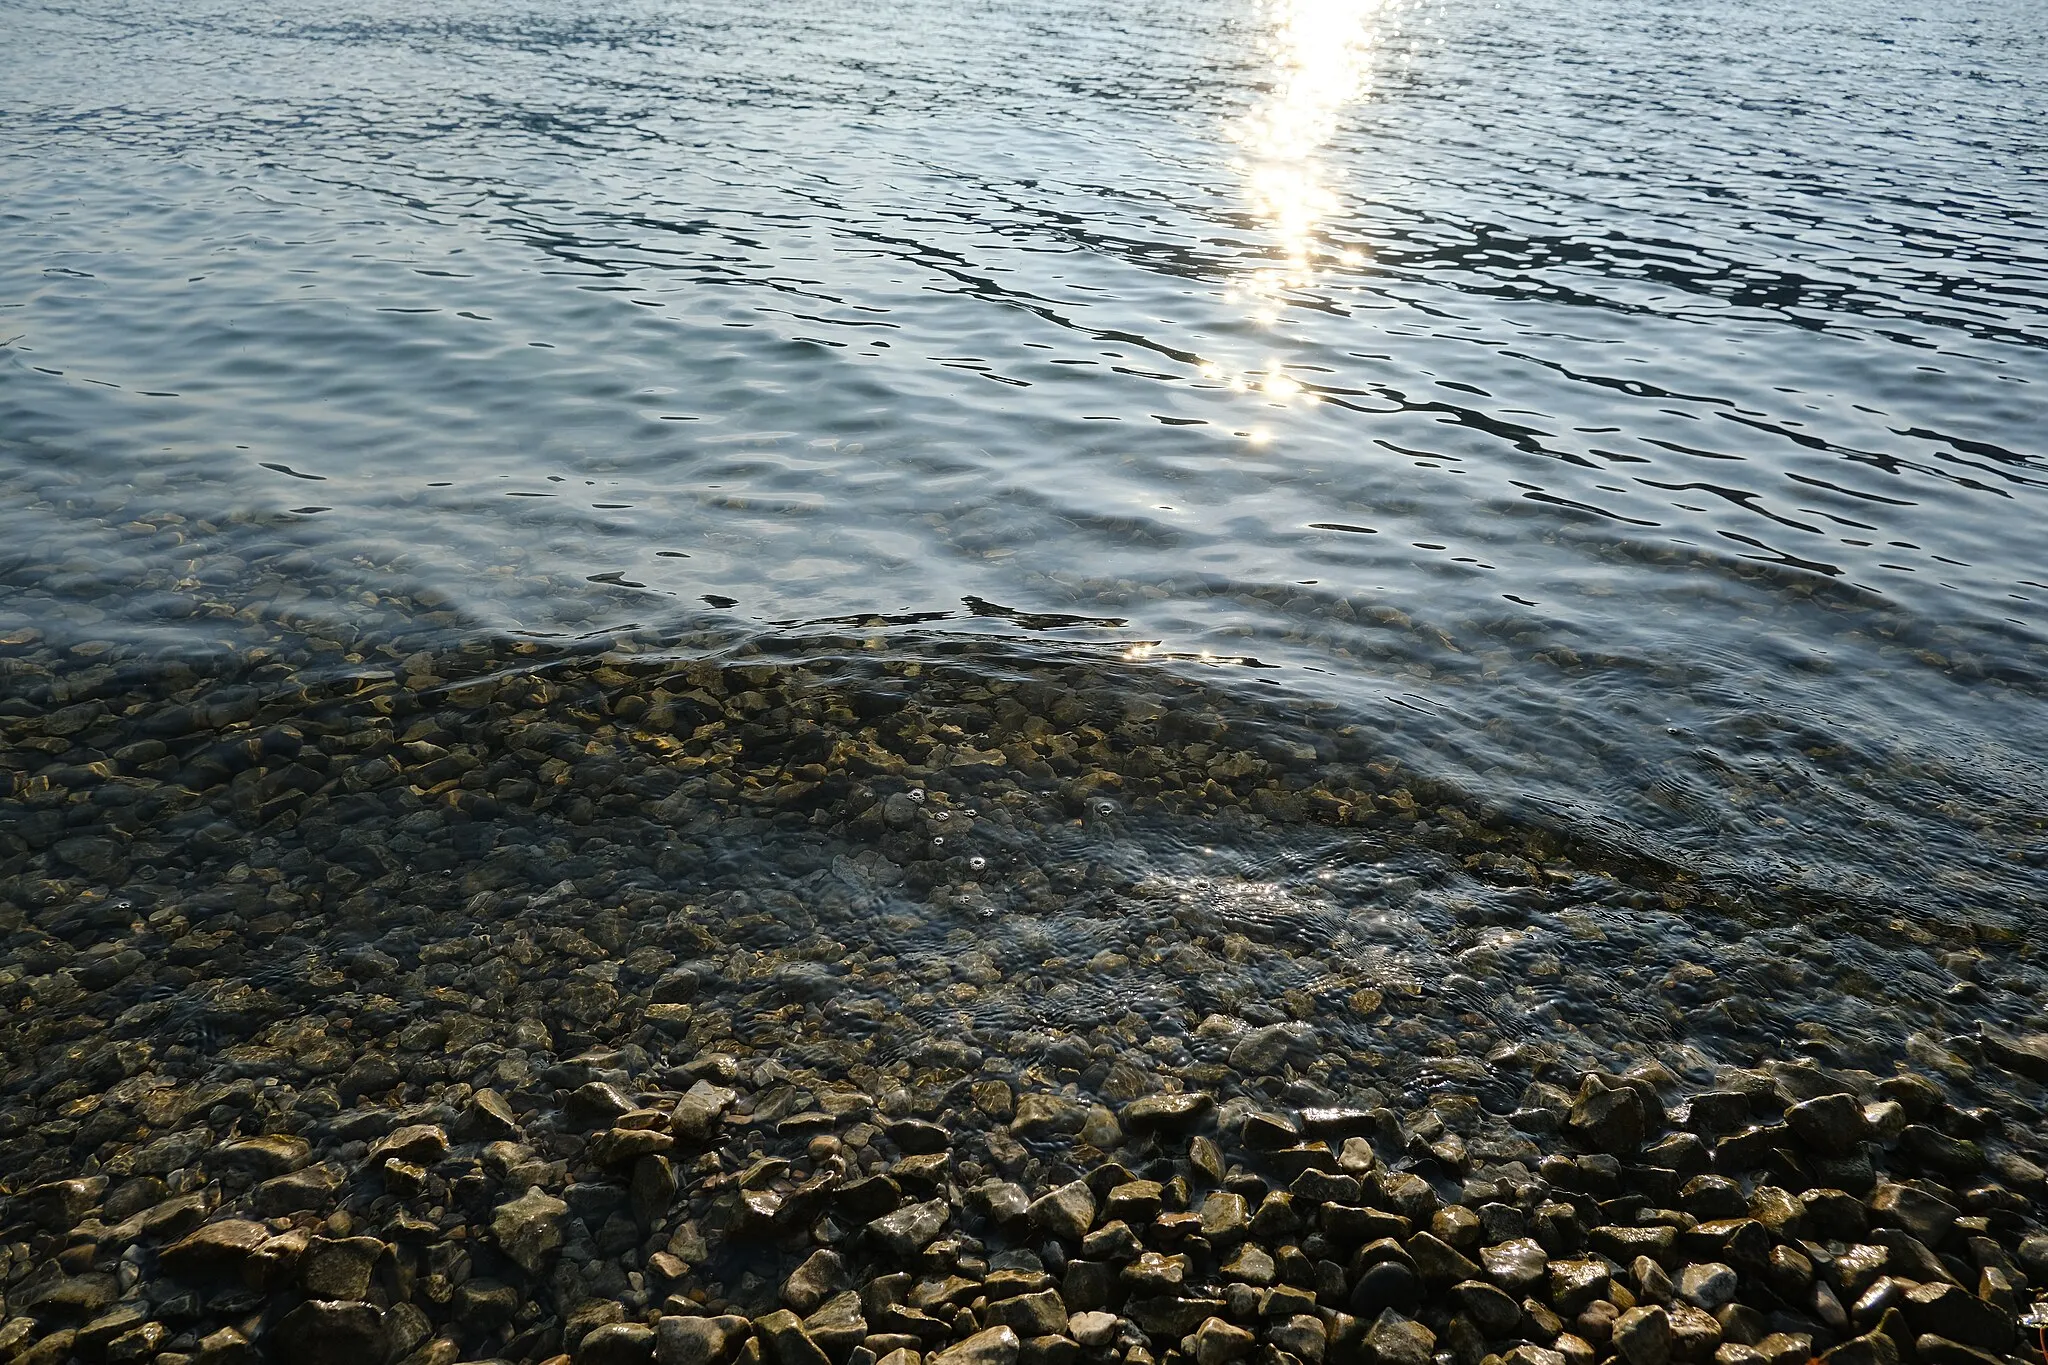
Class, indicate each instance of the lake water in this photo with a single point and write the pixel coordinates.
(1628, 416)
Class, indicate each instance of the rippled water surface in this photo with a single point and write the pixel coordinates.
(1628, 413)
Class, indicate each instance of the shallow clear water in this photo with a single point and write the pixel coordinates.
(1628, 413)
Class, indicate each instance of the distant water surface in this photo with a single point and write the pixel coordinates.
(1632, 412)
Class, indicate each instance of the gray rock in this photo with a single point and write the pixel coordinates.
(1176, 1113)
(1609, 1115)
(1093, 1329)
(838, 1325)
(1652, 1283)
(617, 1343)
(1492, 1311)
(1707, 1284)
(1642, 1336)
(1831, 1124)
(339, 1269)
(1396, 1340)
(1782, 1212)
(1029, 1315)
(319, 1332)
(482, 1305)
(1251, 1264)
(219, 1249)
(59, 1205)
(1172, 1316)
(1943, 1310)
(1439, 1263)
(1261, 1051)
(1225, 1219)
(263, 1157)
(697, 1113)
(487, 1118)
(698, 1341)
(1303, 1335)
(1920, 1213)
(530, 1228)
(1577, 1282)
(1067, 1212)
(1515, 1265)
(911, 1228)
(822, 1275)
(1872, 1348)
(992, 1346)
(1041, 1115)
(309, 1188)
(1218, 1342)
(788, 1343)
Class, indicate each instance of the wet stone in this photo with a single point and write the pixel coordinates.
(1642, 1336)
(1218, 1342)
(1396, 1340)
(1174, 1113)
(1609, 1116)
(911, 1229)
(991, 1346)
(617, 1343)
(1040, 1314)
(323, 1333)
(1067, 1212)
(787, 1341)
(528, 1229)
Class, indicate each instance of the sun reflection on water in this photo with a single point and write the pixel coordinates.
(1317, 51)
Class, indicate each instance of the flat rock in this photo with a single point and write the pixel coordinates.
(911, 1228)
(1516, 1264)
(1902, 1206)
(1218, 1342)
(617, 1343)
(1173, 1114)
(339, 1269)
(1067, 1212)
(1943, 1310)
(319, 1332)
(822, 1274)
(1642, 1336)
(1396, 1340)
(264, 1157)
(222, 1248)
(697, 1114)
(786, 1339)
(1040, 1115)
(1608, 1116)
(1042, 1314)
(991, 1346)
(422, 1144)
(1093, 1329)
(839, 1324)
(529, 1228)
(1830, 1124)
(308, 1188)
(698, 1341)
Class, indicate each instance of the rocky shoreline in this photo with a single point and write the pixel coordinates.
(826, 1010)
(603, 1215)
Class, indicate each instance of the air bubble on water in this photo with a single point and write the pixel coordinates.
(972, 812)
(938, 839)
(941, 815)
(1103, 808)
(977, 862)
(917, 794)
